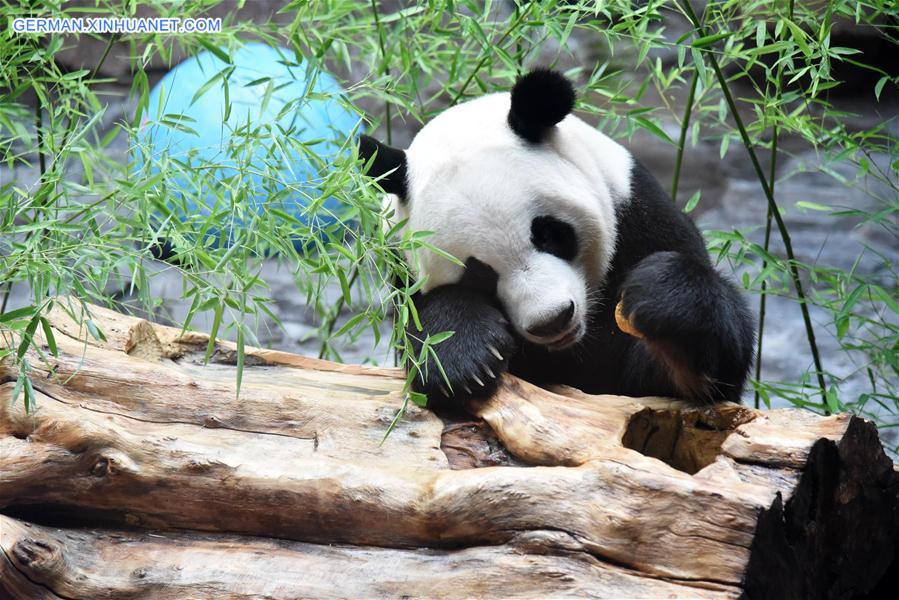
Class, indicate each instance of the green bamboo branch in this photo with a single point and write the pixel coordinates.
(70, 129)
(42, 166)
(72, 122)
(684, 126)
(487, 56)
(519, 47)
(772, 204)
(763, 295)
(386, 68)
(39, 130)
(332, 319)
(772, 175)
(354, 275)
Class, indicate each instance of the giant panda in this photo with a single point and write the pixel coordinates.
(557, 226)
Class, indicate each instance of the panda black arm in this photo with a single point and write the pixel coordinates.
(480, 347)
(695, 324)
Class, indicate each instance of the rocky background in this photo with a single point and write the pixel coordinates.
(731, 199)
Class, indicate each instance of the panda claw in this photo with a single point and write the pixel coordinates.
(490, 372)
(494, 351)
(478, 379)
(445, 391)
(467, 389)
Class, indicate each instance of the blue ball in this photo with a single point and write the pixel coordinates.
(282, 102)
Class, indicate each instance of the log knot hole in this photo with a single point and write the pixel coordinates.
(687, 439)
(140, 573)
(40, 557)
(101, 467)
(143, 342)
(111, 462)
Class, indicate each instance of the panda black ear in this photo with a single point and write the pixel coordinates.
(387, 159)
(540, 99)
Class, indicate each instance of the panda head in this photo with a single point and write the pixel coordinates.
(516, 182)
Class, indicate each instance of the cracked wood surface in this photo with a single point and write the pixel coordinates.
(177, 565)
(598, 495)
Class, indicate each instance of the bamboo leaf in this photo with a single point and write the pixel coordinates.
(654, 129)
(206, 86)
(813, 206)
(240, 358)
(693, 201)
(710, 39)
(344, 287)
(18, 313)
(216, 51)
(213, 333)
(51, 339)
(28, 336)
(94, 331)
(878, 87)
(17, 389)
(440, 337)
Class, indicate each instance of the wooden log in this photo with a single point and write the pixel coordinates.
(42, 562)
(553, 492)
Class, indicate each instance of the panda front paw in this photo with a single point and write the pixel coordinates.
(667, 296)
(472, 358)
(693, 321)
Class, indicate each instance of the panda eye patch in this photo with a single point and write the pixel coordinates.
(550, 235)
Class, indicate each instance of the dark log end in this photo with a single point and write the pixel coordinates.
(836, 536)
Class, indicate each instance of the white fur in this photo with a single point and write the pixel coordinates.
(477, 186)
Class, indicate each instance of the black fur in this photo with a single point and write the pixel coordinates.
(481, 331)
(549, 234)
(387, 159)
(540, 99)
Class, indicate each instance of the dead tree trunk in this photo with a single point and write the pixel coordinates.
(141, 475)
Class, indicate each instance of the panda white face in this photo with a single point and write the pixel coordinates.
(540, 214)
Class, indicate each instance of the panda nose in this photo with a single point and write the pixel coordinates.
(554, 325)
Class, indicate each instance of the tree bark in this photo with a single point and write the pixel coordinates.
(167, 485)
